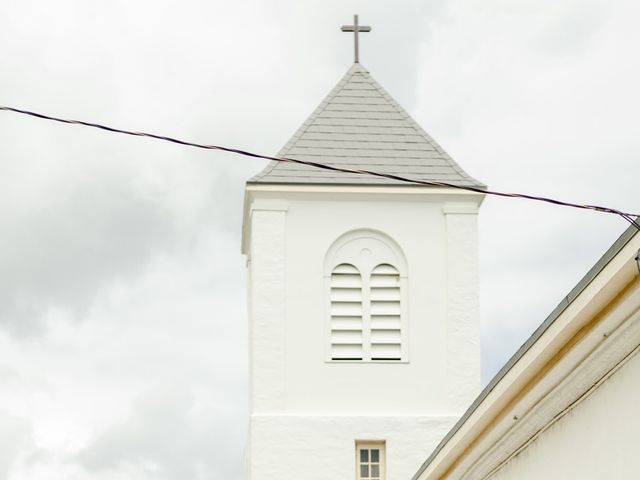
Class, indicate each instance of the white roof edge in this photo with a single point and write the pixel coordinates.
(408, 189)
(252, 189)
(468, 429)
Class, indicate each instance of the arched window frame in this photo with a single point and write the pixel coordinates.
(365, 250)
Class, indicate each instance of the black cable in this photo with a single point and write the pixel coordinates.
(626, 216)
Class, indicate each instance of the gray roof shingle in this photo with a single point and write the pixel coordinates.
(359, 125)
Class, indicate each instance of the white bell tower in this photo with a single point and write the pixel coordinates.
(363, 296)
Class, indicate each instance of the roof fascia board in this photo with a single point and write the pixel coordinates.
(546, 342)
(342, 188)
(565, 381)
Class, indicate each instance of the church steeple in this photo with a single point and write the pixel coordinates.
(359, 125)
(362, 295)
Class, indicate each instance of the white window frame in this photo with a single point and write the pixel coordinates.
(369, 445)
(381, 249)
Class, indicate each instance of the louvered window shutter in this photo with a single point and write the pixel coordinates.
(346, 313)
(385, 311)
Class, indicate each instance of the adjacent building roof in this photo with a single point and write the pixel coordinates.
(628, 237)
(360, 126)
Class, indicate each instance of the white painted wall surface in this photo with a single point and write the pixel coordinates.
(315, 447)
(267, 309)
(463, 310)
(307, 412)
(597, 440)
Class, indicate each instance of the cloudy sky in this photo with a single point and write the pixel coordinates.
(122, 288)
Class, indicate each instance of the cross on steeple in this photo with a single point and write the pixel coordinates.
(355, 29)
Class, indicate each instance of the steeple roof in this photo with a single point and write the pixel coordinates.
(358, 125)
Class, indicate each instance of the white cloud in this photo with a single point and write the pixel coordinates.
(62, 252)
(15, 442)
(167, 436)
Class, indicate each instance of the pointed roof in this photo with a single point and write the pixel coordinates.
(358, 125)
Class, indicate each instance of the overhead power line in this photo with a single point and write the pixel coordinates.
(629, 217)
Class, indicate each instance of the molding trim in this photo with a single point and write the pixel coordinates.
(383, 189)
(609, 344)
(459, 209)
(270, 206)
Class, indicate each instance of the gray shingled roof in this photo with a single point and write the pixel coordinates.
(360, 126)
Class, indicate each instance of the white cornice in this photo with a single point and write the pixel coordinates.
(382, 189)
(279, 192)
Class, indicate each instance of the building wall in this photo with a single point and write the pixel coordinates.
(323, 448)
(598, 439)
(306, 410)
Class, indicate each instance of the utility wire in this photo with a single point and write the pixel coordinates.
(629, 217)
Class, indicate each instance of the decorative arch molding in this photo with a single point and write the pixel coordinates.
(365, 248)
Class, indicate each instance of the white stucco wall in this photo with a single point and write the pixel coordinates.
(323, 448)
(267, 309)
(597, 440)
(305, 410)
(463, 327)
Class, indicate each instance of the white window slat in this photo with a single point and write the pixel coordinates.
(385, 281)
(385, 322)
(346, 352)
(386, 352)
(346, 309)
(346, 294)
(346, 281)
(388, 293)
(386, 336)
(346, 323)
(342, 337)
(385, 308)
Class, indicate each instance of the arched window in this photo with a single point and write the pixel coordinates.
(385, 313)
(365, 272)
(346, 313)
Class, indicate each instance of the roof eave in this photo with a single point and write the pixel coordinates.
(619, 260)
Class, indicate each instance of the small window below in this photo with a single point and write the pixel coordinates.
(370, 460)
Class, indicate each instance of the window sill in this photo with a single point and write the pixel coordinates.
(365, 362)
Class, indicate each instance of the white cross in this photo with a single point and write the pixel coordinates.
(355, 29)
